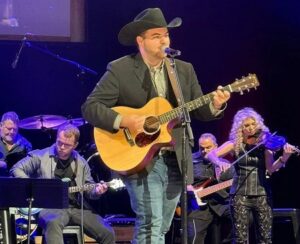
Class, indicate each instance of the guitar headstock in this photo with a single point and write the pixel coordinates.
(244, 84)
(116, 184)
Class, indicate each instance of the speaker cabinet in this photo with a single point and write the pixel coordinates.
(286, 222)
(124, 233)
(123, 227)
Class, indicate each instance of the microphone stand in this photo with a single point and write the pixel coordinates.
(16, 60)
(187, 134)
(82, 68)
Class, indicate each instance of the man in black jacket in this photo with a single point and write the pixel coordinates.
(207, 212)
(132, 81)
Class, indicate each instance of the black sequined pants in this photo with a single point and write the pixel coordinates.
(241, 207)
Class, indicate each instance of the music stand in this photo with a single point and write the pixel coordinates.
(29, 192)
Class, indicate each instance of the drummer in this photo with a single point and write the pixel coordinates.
(13, 146)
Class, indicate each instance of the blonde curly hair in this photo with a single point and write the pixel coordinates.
(236, 132)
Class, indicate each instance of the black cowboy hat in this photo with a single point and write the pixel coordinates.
(148, 19)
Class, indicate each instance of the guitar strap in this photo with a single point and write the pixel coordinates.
(175, 86)
(76, 168)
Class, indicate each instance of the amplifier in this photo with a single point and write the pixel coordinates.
(123, 227)
(124, 233)
(121, 221)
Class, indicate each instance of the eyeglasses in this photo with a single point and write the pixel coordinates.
(156, 36)
(66, 145)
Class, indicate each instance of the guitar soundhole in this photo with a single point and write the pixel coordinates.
(151, 125)
(143, 139)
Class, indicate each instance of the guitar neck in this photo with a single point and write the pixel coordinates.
(190, 106)
(238, 86)
(114, 184)
(212, 189)
(86, 187)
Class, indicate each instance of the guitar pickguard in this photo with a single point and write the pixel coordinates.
(143, 139)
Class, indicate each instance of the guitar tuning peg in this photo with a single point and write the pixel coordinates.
(241, 93)
(248, 89)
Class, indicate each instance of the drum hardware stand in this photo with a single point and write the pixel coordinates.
(30, 200)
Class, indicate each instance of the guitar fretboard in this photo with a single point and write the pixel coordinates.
(192, 105)
(238, 86)
(115, 184)
(211, 189)
(86, 187)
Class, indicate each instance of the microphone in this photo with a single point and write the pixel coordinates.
(16, 60)
(171, 52)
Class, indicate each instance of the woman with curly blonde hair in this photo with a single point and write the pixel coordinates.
(250, 192)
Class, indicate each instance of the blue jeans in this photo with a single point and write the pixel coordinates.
(154, 197)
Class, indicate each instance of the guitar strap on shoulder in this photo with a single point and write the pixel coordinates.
(178, 94)
(173, 79)
(76, 168)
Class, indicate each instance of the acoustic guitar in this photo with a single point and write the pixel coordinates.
(127, 152)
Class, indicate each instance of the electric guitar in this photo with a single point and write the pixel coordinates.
(201, 190)
(127, 152)
(114, 184)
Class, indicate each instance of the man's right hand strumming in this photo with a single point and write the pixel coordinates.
(135, 123)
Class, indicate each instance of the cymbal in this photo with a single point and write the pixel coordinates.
(76, 121)
(42, 122)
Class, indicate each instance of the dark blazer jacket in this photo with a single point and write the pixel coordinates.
(127, 82)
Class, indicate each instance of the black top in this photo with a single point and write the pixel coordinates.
(250, 178)
(63, 170)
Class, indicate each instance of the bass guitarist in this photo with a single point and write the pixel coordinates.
(215, 210)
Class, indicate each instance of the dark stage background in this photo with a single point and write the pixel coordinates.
(224, 40)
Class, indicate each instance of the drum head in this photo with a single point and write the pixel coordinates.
(25, 211)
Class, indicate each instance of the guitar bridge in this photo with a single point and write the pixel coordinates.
(128, 137)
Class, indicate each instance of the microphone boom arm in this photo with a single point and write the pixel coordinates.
(43, 50)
